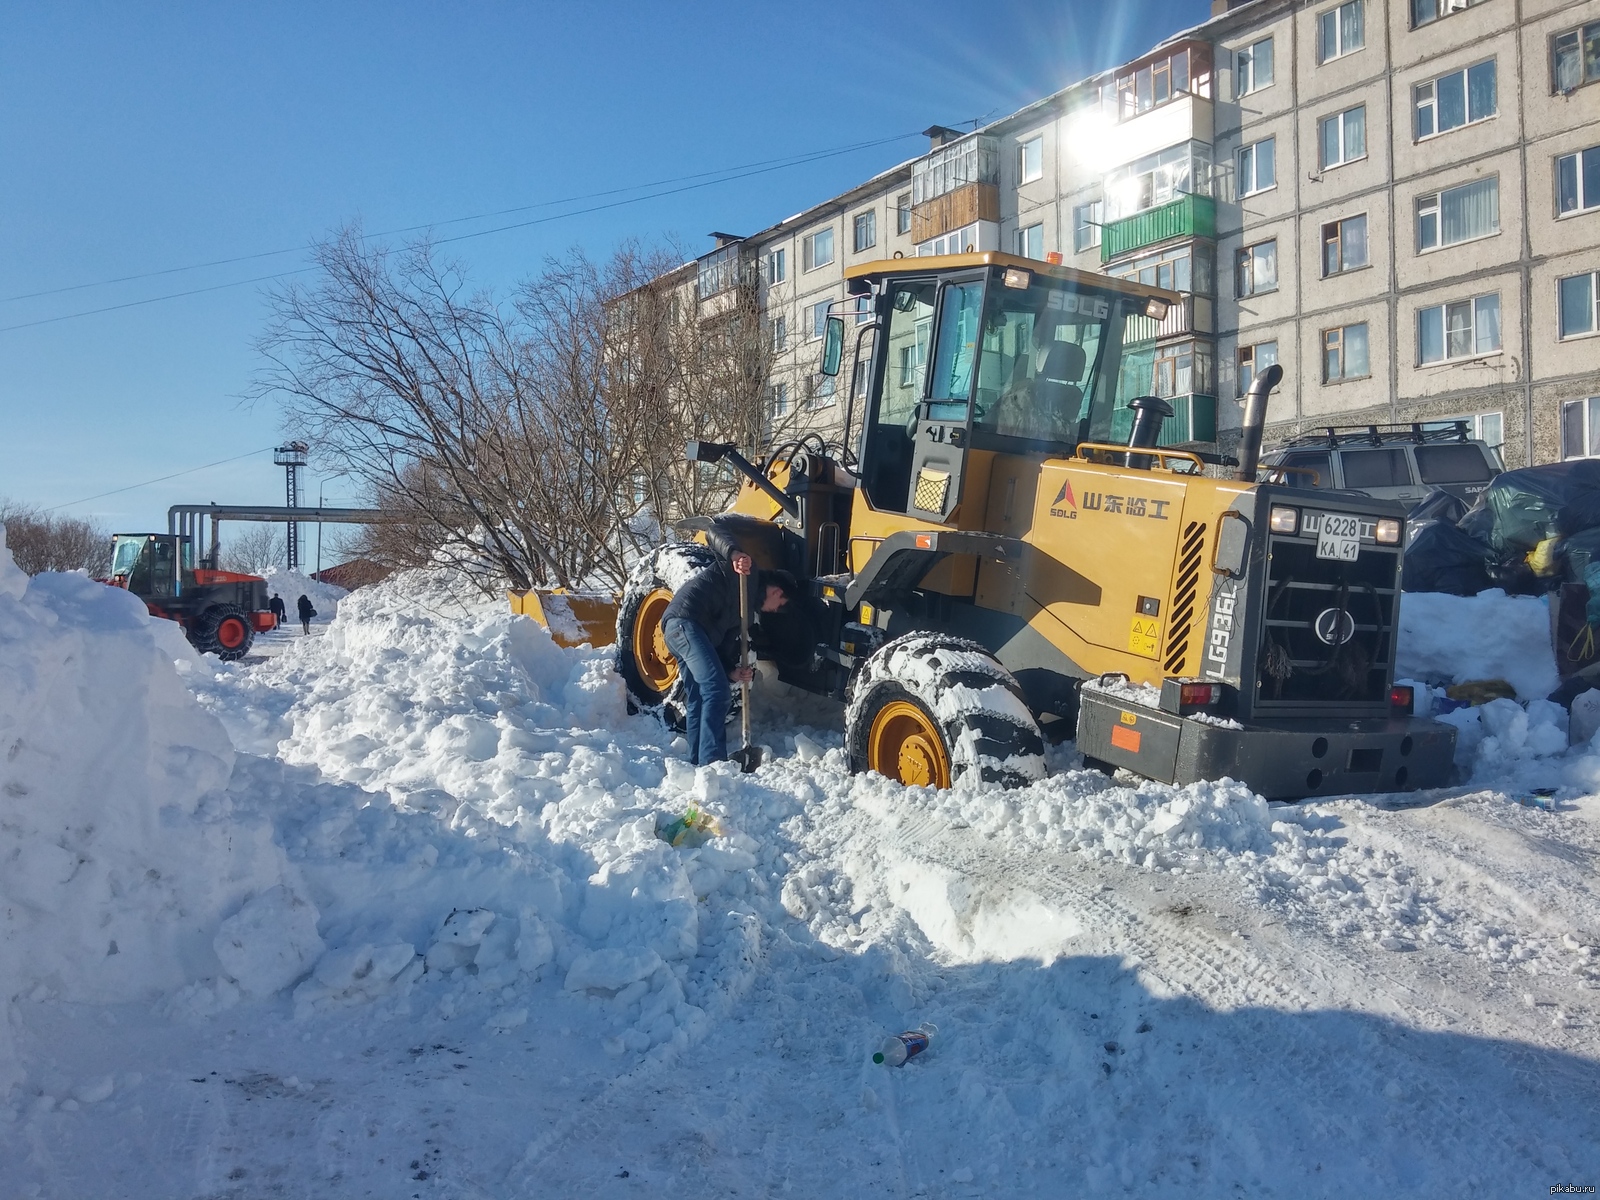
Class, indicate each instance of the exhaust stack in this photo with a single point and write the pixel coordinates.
(1255, 418)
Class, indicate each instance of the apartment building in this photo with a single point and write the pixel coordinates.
(1396, 200)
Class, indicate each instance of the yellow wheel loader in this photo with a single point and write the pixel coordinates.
(993, 562)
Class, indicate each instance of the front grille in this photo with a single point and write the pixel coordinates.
(1353, 600)
(1194, 541)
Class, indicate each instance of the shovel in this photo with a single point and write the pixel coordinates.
(747, 756)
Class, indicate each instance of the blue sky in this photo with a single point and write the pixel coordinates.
(140, 137)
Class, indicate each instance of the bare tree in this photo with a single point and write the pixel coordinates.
(256, 547)
(543, 439)
(40, 541)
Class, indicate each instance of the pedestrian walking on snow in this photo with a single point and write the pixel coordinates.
(701, 627)
(278, 610)
(306, 613)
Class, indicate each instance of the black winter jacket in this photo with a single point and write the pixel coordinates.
(711, 600)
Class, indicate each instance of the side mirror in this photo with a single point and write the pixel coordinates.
(833, 346)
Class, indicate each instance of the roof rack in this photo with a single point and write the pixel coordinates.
(1379, 435)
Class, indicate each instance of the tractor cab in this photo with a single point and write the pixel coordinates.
(991, 354)
(152, 565)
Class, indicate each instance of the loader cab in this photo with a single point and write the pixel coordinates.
(153, 565)
(989, 353)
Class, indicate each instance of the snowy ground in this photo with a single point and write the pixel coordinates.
(413, 935)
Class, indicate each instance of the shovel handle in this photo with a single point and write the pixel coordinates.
(744, 654)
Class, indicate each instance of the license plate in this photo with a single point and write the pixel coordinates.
(1339, 537)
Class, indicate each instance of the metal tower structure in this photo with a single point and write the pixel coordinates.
(291, 458)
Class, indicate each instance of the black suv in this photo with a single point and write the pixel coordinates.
(1393, 462)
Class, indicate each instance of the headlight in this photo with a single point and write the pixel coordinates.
(1283, 520)
(1388, 531)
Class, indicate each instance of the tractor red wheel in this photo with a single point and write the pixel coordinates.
(224, 630)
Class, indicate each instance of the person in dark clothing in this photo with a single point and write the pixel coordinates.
(278, 610)
(701, 627)
(306, 613)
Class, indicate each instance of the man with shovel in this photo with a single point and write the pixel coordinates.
(707, 628)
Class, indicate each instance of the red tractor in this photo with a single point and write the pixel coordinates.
(220, 611)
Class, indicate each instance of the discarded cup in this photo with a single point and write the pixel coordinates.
(898, 1050)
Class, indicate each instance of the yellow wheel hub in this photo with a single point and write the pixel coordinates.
(904, 744)
(656, 665)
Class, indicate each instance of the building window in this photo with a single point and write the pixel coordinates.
(1462, 329)
(1253, 360)
(1258, 167)
(957, 241)
(1150, 85)
(1344, 245)
(902, 213)
(780, 334)
(1343, 137)
(1030, 159)
(1426, 12)
(913, 357)
(816, 250)
(1158, 179)
(1030, 241)
(1458, 214)
(1340, 31)
(1086, 222)
(1578, 181)
(1344, 353)
(1488, 428)
(1182, 370)
(777, 266)
(817, 319)
(1575, 58)
(823, 391)
(866, 231)
(780, 399)
(1580, 428)
(1253, 68)
(1456, 99)
(1178, 269)
(862, 307)
(858, 377)
(1579, 301)
(1258, 268)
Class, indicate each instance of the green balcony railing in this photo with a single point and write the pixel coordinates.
(1194, 419)
(1187, 216)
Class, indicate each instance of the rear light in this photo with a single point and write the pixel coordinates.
(1388, 532)
(1184, 696)
(1402, 699)
(1199, 695)
(1283, 520)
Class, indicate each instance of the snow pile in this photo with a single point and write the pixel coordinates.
(120, 852)
(291, 585)
(1448, 639)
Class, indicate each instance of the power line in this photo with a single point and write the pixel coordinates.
(162, 479)
(768, 164)
(726, 178)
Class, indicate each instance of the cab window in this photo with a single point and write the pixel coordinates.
(957, 353)
(1039, 357)
(1376, 468)
(887, 456)
(1313, 470)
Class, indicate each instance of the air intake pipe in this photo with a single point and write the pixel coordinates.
(1149, 413)
(1255, 418)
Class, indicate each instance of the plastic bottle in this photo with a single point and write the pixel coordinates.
(898, 1050)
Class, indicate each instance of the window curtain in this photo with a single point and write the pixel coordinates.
(1353, 232)
(1486, 324)
(1481, 99)
(1355, 351)
(1470, 211)
(1350, 33)
(1577, 305)
(1430, 335)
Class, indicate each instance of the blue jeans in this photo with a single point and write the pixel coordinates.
(707, 693)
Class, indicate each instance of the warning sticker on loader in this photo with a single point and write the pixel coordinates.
(1144, 636)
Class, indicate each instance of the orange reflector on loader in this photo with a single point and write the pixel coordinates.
(924, 541)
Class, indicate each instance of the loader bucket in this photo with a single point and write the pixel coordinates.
(573, 618)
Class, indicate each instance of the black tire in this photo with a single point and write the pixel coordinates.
(224, 630)
(665, 569)
(987, 730)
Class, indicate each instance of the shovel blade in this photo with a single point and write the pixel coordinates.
(748, 758)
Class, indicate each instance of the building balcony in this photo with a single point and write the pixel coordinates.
(1194, 419)
(1187, 216)
(963, 206)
